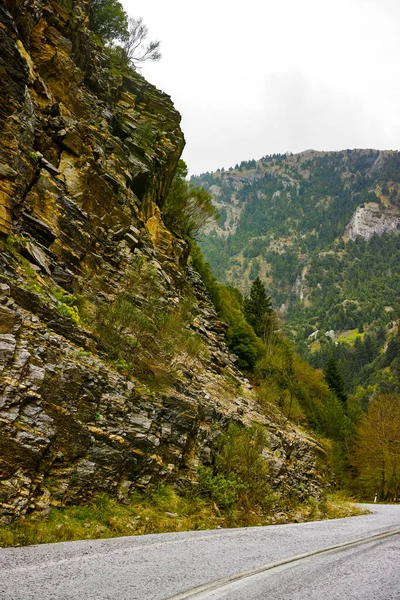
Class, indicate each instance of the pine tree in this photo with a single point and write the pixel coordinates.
(335, 380)
(392, 351)
(369, 348)
(258, 308)
(359, 353)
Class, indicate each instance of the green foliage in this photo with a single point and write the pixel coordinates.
(205, 272)
(333, 417)
(335, 380)
(159, 511)
(187, 208)
(292, 384)
(257, 309)
(240, 478)
(145, 134)
(241, 342)
(228, 301)
(283, 379)
(147, 339)
(294, 214)
(69, 305)
(241, 338)
(223, 489)
(241, 455)
(108, 19)
(392, 351)
(377, 450)
(358, 364)
(120, 325)
(34, 157)
(69, 311)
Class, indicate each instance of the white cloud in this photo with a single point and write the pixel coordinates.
(265, 76)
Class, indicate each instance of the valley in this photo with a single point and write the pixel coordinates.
(321, 229)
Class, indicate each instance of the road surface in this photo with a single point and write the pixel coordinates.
(306, 561)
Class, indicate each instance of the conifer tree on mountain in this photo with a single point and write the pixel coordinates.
(258, 309)
(335, 380)
(359, 352)
(392, 350)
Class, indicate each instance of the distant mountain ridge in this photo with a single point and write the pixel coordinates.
(319, 228)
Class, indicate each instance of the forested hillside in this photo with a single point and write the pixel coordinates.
(321, 230)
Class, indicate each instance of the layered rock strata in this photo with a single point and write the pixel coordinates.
(86, 161)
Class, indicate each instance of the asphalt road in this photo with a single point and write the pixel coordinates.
(282, 562)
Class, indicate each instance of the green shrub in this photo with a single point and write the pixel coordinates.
(240, 478)
(241, 454)
(69, 305)
(34, 157)
(224, 490)
(150, 338)
(69, 311)
(241, 342)
(145, 134)
(187, 208)
(205, 272)
(121, 326)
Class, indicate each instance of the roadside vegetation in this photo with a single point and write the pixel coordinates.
(235, 491)
(144, 337)
(162, 511)
(360, 432)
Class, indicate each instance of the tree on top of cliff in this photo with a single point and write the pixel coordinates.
(135, 48)
(109, 20)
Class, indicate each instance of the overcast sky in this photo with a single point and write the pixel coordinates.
(257, 77)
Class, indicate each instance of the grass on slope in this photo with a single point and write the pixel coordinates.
(162, 511)
(350, 336)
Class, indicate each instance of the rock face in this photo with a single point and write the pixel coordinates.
(86, 161)
(372, 219)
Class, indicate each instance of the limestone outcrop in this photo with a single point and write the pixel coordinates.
(87, 157)
(373, 219)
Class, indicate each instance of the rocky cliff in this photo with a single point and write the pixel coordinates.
(86, 160)
(373, 219)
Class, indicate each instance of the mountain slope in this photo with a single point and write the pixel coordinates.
(320, 228)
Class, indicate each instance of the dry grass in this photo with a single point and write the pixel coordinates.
(104, 517)
(161, 512)
(332, 506)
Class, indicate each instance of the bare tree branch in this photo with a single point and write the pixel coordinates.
(135, 47)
